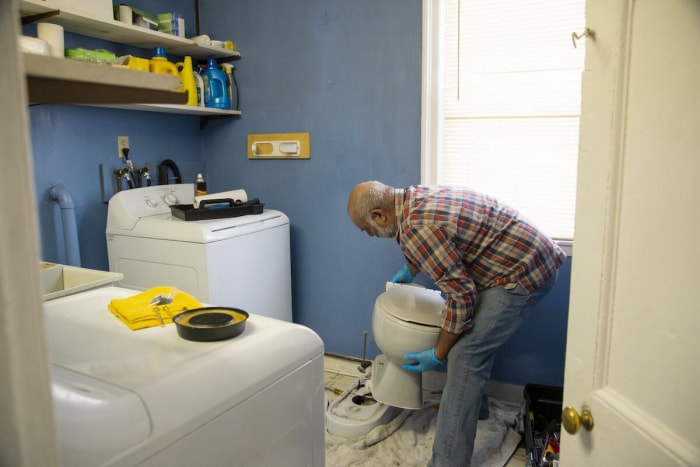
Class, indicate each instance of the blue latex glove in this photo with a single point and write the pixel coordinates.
(425, 361)
(403, 276)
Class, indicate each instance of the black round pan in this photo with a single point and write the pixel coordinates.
(211, 323)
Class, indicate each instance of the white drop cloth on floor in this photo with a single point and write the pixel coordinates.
(407, 440)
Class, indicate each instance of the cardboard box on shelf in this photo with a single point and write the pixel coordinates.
(171, 23)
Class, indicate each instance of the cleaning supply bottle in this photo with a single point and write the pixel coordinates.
(160, 64)
(200, 87)
(200, 186)
(215, 85)
(232, 85)
(184, 68)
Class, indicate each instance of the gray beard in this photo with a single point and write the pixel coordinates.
(385, 232)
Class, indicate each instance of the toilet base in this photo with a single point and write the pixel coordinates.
(394, 386)
(356, 412)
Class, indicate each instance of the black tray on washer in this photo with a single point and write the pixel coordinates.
(216, 209)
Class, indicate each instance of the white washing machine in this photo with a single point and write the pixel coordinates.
(149, 398)
(241, 262)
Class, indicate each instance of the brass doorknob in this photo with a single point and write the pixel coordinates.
(572, 421)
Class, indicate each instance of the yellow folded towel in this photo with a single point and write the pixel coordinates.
(139, 311)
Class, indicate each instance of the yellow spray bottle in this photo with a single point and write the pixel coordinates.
(186, 72)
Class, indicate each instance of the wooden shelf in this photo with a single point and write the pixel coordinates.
(115, 31)
(54, 80)
(178, 109)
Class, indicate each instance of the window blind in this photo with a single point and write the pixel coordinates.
(510, 104)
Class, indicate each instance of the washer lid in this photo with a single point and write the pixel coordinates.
(414, 304)
(168, 227)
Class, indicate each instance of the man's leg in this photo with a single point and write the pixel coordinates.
(499, 313)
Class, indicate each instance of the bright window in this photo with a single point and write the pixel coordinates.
(502, 101)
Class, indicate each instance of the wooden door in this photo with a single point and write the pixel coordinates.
(634, 321)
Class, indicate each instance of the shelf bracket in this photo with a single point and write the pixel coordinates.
(204, 119)
(38, 17)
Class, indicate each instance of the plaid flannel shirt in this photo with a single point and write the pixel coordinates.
(468, 242)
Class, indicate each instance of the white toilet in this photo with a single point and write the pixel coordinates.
(406, 318)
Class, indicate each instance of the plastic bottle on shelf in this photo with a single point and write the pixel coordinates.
(200, 87)
(215, 86)
(200, 186)
(160, 64)
(184, 69)
(232, 85)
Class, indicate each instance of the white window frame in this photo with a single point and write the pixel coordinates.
(430, 94)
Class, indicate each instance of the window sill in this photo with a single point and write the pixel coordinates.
(566, 245)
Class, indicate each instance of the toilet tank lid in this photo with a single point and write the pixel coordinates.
(413, 303)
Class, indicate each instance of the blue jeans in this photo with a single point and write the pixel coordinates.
(499, 312)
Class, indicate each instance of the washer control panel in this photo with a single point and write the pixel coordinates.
(131, 205)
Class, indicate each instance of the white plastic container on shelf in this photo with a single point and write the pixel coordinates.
(200, 89)
(101, 9)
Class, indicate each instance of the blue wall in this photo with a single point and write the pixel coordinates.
(348, 72)
(535, 353)
(70, 142)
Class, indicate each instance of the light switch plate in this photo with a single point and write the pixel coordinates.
(279, 146)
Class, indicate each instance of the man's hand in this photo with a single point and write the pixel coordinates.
(403, 276)
(424, 361)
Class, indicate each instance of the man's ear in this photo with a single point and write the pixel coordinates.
(379, 216)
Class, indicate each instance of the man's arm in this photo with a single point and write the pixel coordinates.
(444, 343)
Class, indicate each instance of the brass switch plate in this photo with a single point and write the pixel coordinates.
(279, 146)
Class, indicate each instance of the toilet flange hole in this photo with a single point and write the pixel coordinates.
(364, 399)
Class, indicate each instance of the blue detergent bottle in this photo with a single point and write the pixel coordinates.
(215, 86)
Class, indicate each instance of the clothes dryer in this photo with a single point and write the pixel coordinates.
(150, 398)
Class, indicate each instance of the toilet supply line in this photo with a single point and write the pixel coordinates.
(364, 364)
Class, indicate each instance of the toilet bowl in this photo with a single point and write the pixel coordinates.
(356, 412)
(406, 318)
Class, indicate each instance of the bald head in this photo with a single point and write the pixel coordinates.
(371, 209)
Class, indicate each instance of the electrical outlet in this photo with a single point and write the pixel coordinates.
(122, 142)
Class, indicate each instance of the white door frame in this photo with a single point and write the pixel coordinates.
(27, 435)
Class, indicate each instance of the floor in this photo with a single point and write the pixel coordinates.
(341, 372)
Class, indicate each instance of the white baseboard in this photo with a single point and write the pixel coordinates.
(505, 391)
